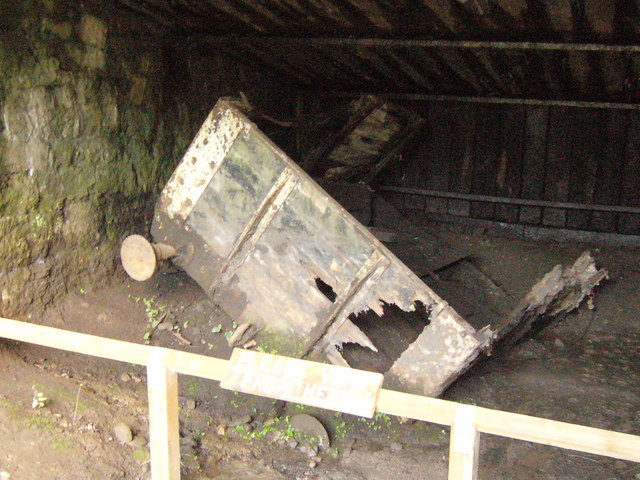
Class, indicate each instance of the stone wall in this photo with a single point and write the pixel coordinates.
(95, 112)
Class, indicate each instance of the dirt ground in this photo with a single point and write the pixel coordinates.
(58, 410)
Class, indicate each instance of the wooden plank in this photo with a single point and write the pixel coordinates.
(630, 224)
(556, 179)
(586, 150)
(514, 425)
(436, 168)
(464, 446)
(535, 147)
(336, 388)
(164, 436)
(485, 169)
(464, 117)
(511, 201)
(74, 342)
(509, 176)
(610, 167)
(394, 150)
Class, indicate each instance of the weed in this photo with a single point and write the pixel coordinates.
(40, 423)
(341, 429)
(155, 316)
(193, 387)
(279, 424)
(378, 421)
(60, 444)
(230, 333)
(217, 328)
(272, 351)
(39, 399)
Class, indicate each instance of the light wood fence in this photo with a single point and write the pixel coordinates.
(466, 421)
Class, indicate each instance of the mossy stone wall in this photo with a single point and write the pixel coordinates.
(95, 112)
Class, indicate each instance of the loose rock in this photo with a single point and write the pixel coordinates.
(308, 449)
(123, 433)
(311, 426)
(138, 442)
(395, 447)
(243, 420)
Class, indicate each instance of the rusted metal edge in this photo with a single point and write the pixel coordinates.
(372, 269)
(207, 152)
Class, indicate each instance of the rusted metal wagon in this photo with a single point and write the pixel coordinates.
(277, 252)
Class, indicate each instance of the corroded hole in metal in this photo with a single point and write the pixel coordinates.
(326, 289)
(391, 334)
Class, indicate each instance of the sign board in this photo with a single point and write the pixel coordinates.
(317, 384)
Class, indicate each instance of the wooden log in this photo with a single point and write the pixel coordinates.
(140, 258)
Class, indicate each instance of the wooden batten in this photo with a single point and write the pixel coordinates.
(466, 420)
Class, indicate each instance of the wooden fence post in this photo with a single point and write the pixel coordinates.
(164, 439)
(464, 445)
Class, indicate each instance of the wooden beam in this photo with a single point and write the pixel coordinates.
(464, 445)
(425, 97)
(512, 201)
(74, 342)
(180, 362)
(514, 425)
(164, 437)
(420, 43)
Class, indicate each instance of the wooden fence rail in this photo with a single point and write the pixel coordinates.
(466, 421)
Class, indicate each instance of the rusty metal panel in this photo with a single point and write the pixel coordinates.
(276, 251)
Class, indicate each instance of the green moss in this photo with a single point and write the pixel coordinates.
(141, 455)
(40, 423)
(279, 344)
(60, 444)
